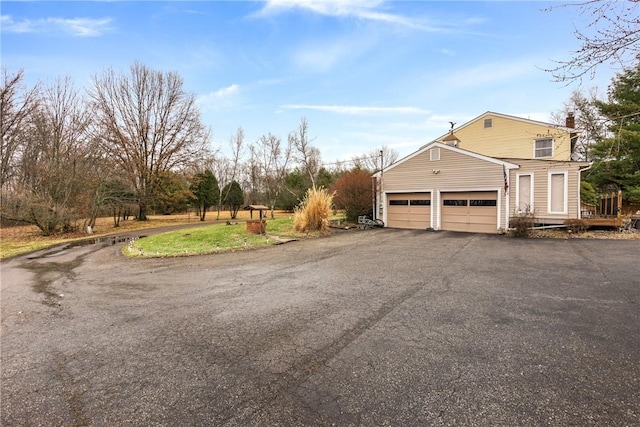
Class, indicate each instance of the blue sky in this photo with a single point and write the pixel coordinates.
(364, 73)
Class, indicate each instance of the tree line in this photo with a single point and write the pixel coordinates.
(134, 143)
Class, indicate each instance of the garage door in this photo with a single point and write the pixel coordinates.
(409, 210)
(475, 211)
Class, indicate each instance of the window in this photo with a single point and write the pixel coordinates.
(488, 123)
(398, 202)
(543, 148)
(454, 202)
(483, 203)
(420, 202)
(435, 153)
(558, 192)
(524, 193)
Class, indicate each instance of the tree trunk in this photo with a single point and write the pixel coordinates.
(142, 213)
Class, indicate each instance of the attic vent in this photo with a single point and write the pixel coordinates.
(435, 153)
(488, 123)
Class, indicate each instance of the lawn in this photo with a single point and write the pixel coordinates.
(211, 239)
(17, 240)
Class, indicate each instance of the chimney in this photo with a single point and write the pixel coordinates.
(571, 120)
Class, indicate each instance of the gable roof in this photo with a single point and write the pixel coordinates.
(508, 117)
(506, 164)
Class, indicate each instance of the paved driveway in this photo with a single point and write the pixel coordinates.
(365, 328)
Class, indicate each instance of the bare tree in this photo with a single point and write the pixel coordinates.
(227, 169)
(149, 124)
(17, 104)
(305, 154)
(271, 160)
(375, 159)
(58, 174)
(590, 125)
(610, 36)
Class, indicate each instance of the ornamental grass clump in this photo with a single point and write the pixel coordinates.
(313, 212)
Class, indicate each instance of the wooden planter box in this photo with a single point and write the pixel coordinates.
(256, 226)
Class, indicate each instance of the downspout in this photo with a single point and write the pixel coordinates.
(579, 184)
(381, 176)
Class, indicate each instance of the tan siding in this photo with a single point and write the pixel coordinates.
(541, 170)
(511, 138)
(456, 171)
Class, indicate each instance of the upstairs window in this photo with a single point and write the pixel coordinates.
(488, 123)
(543, 148)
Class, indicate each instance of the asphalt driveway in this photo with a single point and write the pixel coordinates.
(365, 328)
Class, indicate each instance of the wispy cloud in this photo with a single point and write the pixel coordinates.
(368, 10)
(77, 27)
(226, 91)
(356, 110)
(223, 97)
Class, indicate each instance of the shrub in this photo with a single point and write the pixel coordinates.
(521, 223)
(354, 194)
(588, 194)
(577, 225)
(313, 212)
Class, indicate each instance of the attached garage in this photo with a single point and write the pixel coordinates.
(473, 211)
(409, 210)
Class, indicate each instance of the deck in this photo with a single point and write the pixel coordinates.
(613, 221)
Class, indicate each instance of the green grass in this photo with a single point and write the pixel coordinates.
(210, 239)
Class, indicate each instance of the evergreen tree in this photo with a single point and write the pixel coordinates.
(205, 191)
(617, 158)
(234, 198)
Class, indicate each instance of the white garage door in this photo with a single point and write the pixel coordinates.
(409, 210)
(475, 211)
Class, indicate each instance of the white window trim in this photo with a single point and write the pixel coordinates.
(553, 148)
(531, 207)
(566, 192)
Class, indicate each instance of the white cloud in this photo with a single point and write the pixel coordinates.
(368, 10)
(226, 91)
(356, 110)
(223, 97)
(77, 27)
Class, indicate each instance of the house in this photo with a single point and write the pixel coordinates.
(503, 136)
(516, 166)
